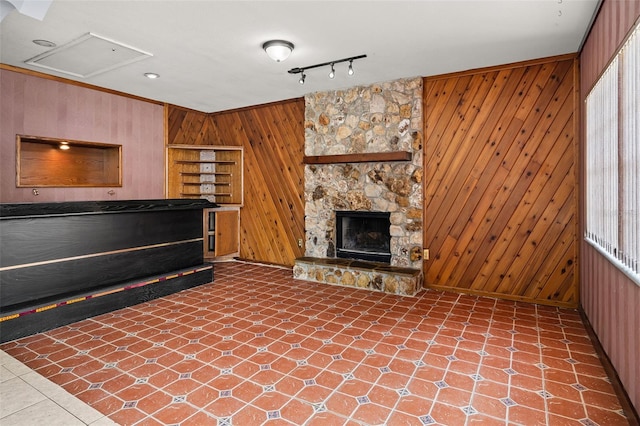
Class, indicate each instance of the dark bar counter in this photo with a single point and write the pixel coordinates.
(62, 262)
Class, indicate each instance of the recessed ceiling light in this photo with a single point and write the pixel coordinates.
(151, 75)
(45, 43)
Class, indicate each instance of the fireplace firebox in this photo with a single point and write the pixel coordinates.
(363, 235)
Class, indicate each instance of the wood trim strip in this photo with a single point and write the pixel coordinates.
(106, 253)
(512, 65)
(358, 158)
(106, 292)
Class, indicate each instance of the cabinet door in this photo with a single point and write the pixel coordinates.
(226, 238)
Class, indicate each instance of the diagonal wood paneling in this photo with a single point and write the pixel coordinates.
(272, 218)
(500, 185)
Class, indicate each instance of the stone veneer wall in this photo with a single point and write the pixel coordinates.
(383, 117)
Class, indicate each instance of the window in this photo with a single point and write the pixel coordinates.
(613, 160)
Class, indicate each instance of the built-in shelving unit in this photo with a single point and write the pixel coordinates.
(211, 172)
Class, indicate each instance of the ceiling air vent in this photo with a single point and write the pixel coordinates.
(87, 56)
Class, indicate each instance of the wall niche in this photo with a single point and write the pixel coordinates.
(52, 162)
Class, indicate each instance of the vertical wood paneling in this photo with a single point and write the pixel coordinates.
(610, 300)
(500, 201)
(36, 106)
(272, 218)
(615, 20)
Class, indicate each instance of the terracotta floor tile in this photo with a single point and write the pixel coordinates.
(200, 418)
(526, 416)
(528, 398)
(341, 404)
(367, 373)
(327, 419)
(128, 416)
(447, 414)
(453, 396)
(371, 414)
(117, 384)
(202, 396)
(247, 391)
(607, 401)
(182, 386)
(259, 347)
(108, 405)
(484, 420)
(314, 394)
(383, 396)
(489, 406)
(270, 401)
(460, 381)
(135, 392)
(603, 416)
(175, 413)
(393, 380)
(224, 407)
(564, 391)
(354, 387)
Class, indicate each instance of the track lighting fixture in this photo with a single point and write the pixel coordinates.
(332, 73)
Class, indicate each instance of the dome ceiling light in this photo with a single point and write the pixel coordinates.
(278, 50)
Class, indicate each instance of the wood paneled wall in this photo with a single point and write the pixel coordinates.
(36, 105)
(500, 185)
(272, 219)
(610, 299)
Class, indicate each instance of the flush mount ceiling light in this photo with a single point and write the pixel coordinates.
(44, 43)
(332, 73)
(151, 75)
(278, 50)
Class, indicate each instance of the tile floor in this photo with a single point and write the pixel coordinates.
(27, 398)
(258, 347)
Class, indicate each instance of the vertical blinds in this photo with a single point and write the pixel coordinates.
(613, 160)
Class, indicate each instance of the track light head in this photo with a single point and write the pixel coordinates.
(332, 74)
(350, 72)
(302, 77)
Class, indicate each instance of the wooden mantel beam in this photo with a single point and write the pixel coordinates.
(358, 158)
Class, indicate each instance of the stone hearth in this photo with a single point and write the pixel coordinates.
(359, 274)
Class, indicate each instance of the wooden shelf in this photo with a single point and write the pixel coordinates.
(204, 162)
(358, 158)
(204, 174)
(198, 194)
(206, 183)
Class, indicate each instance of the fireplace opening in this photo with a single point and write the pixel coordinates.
(363, 235)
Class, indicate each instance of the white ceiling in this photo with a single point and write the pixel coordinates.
(209, 53)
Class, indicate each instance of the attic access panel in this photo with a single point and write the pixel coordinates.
(87, 56)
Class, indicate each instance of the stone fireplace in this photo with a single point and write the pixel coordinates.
(363, 235)
(381, 118)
